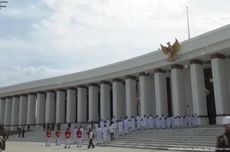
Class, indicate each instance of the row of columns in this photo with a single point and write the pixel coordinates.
(63, 106)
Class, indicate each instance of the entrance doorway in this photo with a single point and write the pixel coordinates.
(210, 99)
(169, 96)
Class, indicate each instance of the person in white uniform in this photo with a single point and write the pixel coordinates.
(144, 122)
(163, 122)
(168, 122)
(138, 121)
(99, 134)
(133, 124)
(126, 125)
(105, 134)
(120, 128)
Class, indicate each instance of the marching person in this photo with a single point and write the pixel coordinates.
(58, 137)
(48, 136)
(223, 141)
(120, 128)
(105, 134)
(79, 137)
(112, 131)
(67, 137)
(90, 135)
(99, 134)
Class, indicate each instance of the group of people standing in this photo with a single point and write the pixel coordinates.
(124, 125)
(76, 134)
(107, 130)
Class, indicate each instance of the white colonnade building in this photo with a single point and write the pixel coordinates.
(197, 82)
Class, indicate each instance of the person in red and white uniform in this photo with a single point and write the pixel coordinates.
(58, 137)
(48, 136)
(79, 137)
(67, 137)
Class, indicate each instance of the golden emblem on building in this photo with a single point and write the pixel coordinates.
(171, 50)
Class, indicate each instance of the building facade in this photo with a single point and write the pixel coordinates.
(198, 82)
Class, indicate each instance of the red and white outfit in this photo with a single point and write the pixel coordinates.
(48, 136)
(58, 137)
(67, 137)
(79, 137)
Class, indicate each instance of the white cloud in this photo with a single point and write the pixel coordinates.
(19, 74)
(82, 34)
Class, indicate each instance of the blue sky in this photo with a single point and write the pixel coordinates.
(46, 38)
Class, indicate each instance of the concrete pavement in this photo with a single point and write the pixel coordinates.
(40, 147)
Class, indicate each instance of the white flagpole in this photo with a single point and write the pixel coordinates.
(188, 22)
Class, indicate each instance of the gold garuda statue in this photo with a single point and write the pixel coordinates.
(171, 50)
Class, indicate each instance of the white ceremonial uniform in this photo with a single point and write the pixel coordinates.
(163, 122)
(158, 122)
(185, 122)
(116, 134)
(105, 134)
(169, 122)
(120, 128)
(99, 135)
(138, 122)
(133, 124)
(177, 122)
(126, 126)
(151, 120)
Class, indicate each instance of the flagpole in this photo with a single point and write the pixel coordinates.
(188, 22)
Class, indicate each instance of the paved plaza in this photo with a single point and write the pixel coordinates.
(40, 147)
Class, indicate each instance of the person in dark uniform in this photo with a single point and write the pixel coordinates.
(23, 132)
(223, 141)
(19, 132)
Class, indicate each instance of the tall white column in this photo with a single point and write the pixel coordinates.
(15, 112)
(93, 103)
(50, 107)
(119, 106)
(71, 106)
(160, 92)
(198, 91)
(147, 101)
(23, 110)
(131, 96)
(2, 111)
(105, 100)
(41, 103)
(220, 86)
(31, 109)
(188, 91)
(82, 104)
(178, 100)
(60, 106)
(8, 109)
